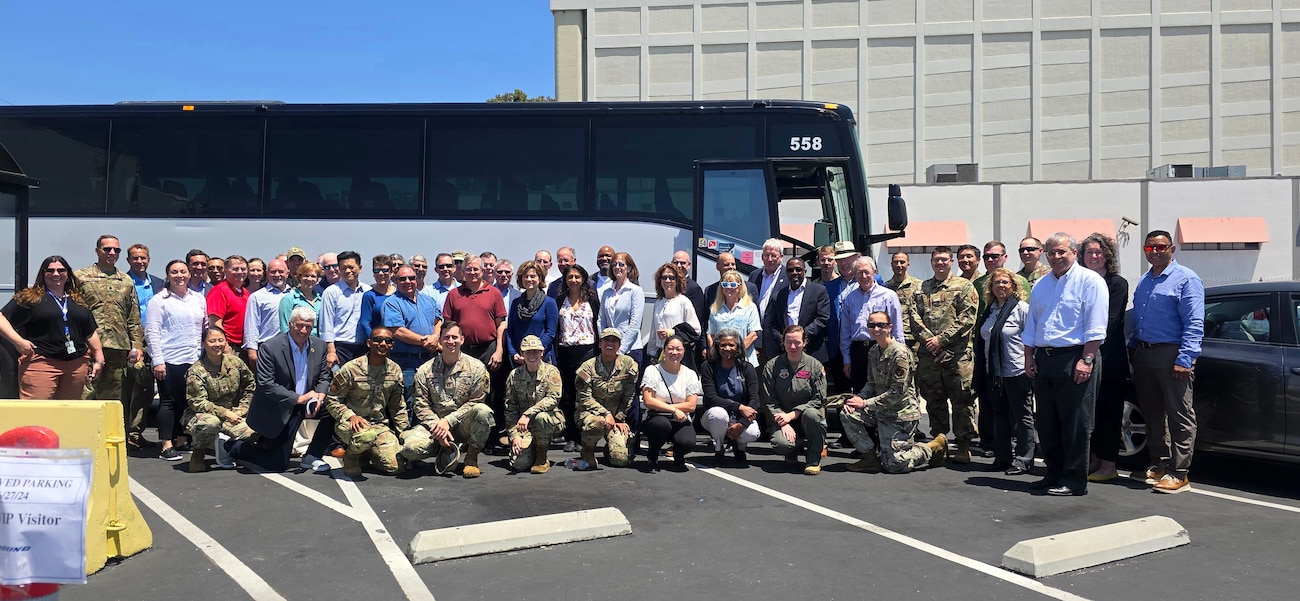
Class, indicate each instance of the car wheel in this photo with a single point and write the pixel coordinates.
(1133, 431)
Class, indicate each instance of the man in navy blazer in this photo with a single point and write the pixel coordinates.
(292, 380)
(814, 311)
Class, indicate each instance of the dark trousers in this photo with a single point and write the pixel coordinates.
(1106, 439)
(859, 365)
(1167, 405)
(836, 381)
(496, 382)
(1064, 417)
(659, 429)
(347, 351)
(171, 401)
(568, 359)
(1011, 414)
(272, 453)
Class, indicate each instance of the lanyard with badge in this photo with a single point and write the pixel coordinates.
(67, 332)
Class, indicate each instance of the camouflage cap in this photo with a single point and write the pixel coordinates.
(294, 251)
(531, 343)
(610, 333)
(459, 255)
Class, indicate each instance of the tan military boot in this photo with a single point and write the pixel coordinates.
(199, 461)
(541, 464)
(963, 452)
(868, 464)
(351, 465)
(471, 462)
(938, 450)
(589, 455)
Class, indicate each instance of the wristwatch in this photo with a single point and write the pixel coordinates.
(1088, 359)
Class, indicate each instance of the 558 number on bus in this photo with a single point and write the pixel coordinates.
(805, 142)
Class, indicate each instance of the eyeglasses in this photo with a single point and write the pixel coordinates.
(1155, 248)
(1058, 252)
(446, 266)
(878, 325)
(55, 270)
(730, 285)
(382, 340)
(1029, 249)
(993, 256)
(380, 270)
(419, 266)
(405, 278)
(110, 249)
(330, 267)
(620, 264)
(681, 263)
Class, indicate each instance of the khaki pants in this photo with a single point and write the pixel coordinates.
(43, 379)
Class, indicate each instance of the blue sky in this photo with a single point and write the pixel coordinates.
(96, 52)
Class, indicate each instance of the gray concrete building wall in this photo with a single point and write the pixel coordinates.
(1029, 89)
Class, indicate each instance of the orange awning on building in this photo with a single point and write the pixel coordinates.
(1079, 228)
(1221, 230)
(932, 233)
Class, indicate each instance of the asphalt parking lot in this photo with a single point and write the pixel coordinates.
(707, 533)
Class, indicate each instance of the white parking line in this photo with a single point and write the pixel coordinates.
(398, 564)
(979, 566)
(306, 491)
(244, 576)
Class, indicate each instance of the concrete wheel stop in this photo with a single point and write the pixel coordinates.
(522, 533)
(1079, 549)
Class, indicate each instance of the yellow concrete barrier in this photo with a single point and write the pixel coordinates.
(114, 526)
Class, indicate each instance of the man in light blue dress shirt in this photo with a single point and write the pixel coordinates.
(1068, 310)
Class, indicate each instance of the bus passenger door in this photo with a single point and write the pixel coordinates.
(735, 209)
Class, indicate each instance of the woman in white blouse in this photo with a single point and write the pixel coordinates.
(575, 342)
(173, 331)
(671, 309)
(670, 392)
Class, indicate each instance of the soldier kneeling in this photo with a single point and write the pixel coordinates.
(533, 404)
(606, 386)
(449, 394)
(366, 400)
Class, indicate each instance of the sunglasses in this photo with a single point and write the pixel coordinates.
(329, 267)
(878, 325)
(620, 264)
(1156, 248)
(794, 270)
(382, 340)
(1029, 249)
(381, 270)
(446, 266)
(406, 278)
(55, 270)
(993, 256)
(110, 249)
(668, 278)
(730, 285)
(504, 271)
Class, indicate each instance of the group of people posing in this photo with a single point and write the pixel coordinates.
(486, 356)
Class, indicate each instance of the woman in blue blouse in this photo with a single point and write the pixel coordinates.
(533, 313)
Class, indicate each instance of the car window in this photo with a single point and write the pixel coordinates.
(1239, 318)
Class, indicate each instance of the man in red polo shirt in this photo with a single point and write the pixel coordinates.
(227, 300)
(481, 312)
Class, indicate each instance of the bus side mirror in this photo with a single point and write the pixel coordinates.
(897, 209)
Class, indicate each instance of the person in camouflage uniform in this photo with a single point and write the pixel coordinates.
(533, 406)
(1034, 269)
(606, 387)
(905, 286)
(888, 403)
(218, 390)
(369, 409)
(450, 396)
(110, 295)
(943, 320)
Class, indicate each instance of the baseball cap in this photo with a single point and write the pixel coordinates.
(531, 343)
(610, 333)
(294, 251)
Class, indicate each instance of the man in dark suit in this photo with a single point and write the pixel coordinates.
(767, 282)
(802, 302)
(726, 262)
(565, 258)
(692, 290)
(292, 381)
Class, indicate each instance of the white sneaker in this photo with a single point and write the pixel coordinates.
(314, 463)
(223, 457)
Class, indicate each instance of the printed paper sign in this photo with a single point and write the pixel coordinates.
(747, 257)
(43, 515)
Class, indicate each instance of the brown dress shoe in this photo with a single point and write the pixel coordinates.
(1171, 484)
(1151, 475)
